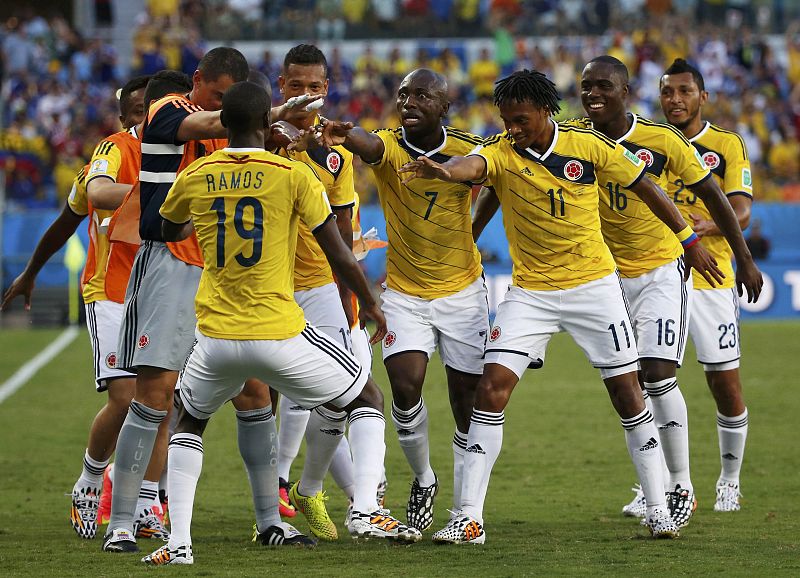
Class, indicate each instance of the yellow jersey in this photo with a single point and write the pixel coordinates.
(94, 272)
(639, 241)
(246, 205)
(724, 153)
(550, 204)
(431, 252)
(334, 167)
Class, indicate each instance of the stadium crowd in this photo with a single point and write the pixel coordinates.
(58, 88)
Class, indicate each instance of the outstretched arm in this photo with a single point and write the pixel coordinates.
(365, 144)
(53, 239)
(346, 268)
(486, 206)
(748, 277)
(695, 254)
(201, 125)
(470, 169)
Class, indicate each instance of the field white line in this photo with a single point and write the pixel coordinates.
(27, 371)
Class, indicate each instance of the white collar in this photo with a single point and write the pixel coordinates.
(422, 152)
(630, 130)
(546, 153)
(243, 150)
(701, 133)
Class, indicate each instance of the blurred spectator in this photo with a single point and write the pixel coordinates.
(482, 73)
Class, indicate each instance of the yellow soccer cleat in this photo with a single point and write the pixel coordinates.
(313, 508)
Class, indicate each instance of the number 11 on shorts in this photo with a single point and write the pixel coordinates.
(613, 329)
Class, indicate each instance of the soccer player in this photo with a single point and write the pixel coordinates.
(435, 293)
(245, 204)
(158, 326)
(714, 319)
(650, 261)
(115, 160)
(326, 306)
(547, 177)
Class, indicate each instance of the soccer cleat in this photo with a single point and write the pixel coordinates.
(150, 525)
(662, 526)
(282, 534)
(313, 508)
(348, 513)
(381, 494)
(285, 507)
(419, 511)
(83, 514)
(682, 504)
(166, 555)
(104, 510)
(119, 540)
(637, 508)
(461, 529)
(727, 497)
(379, 524)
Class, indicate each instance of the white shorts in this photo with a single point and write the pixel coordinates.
(714, 328)
(362, 348)
(103, 319)
(458, 324)
(659, 304)
(594, 313)
(308, 368)
(322, 307)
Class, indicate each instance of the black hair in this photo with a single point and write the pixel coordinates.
(616, 65)
(224, 60)
(259, 78)
(134, 84)
(166, 82)
(244, 105)
(680, 66)
(527, 86)
(305, 54)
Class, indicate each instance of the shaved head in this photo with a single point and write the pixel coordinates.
(434, 81)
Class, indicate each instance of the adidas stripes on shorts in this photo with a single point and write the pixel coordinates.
(103, 319)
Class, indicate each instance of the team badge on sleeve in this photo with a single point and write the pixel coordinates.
(573, 170)
(334, 162)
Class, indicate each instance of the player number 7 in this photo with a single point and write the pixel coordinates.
(432, 195)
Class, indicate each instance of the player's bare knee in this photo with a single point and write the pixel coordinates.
(654, 370)
(254, 395)
(370, 396)
(187, 423)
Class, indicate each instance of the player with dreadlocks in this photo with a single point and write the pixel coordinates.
(547, 177)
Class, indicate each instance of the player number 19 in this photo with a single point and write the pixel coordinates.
(254, 234)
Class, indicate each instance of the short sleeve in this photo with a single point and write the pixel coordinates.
(311, 202)
(620, 165)
(176, 207)
(106, 161)
(491, 155)
(78, 200)
(684, 161)
(389, 141)
(343, 191)
(738, 178)
(163, 125)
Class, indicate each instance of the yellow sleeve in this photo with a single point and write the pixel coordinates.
(620, 165)
(106, 161)
(78, 200)
(311, 201)
(389, 141)
(683, 159)
(343, 190)
(493, 157)
(176, 207)
(738, 178)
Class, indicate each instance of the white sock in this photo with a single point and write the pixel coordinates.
(92, 474)
(484, 441)
(672, 421)
(290, 434)
(185, 465)
(342, 468)
(412, 433)
(641, 436)
(367, 430)
(323, 434)
(459, 445)
(148, 497)
(664, 469)
(732, 433)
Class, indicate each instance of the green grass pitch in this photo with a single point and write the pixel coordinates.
(553, 507)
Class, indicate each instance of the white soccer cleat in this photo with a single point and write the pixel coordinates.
(637, 508)
(662, 526)
(682, 504)
(165, 556)
(380, 524)
(83, 514)
(727, 497)
(461, 529)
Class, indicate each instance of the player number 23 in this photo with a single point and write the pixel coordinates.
(254, 233)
